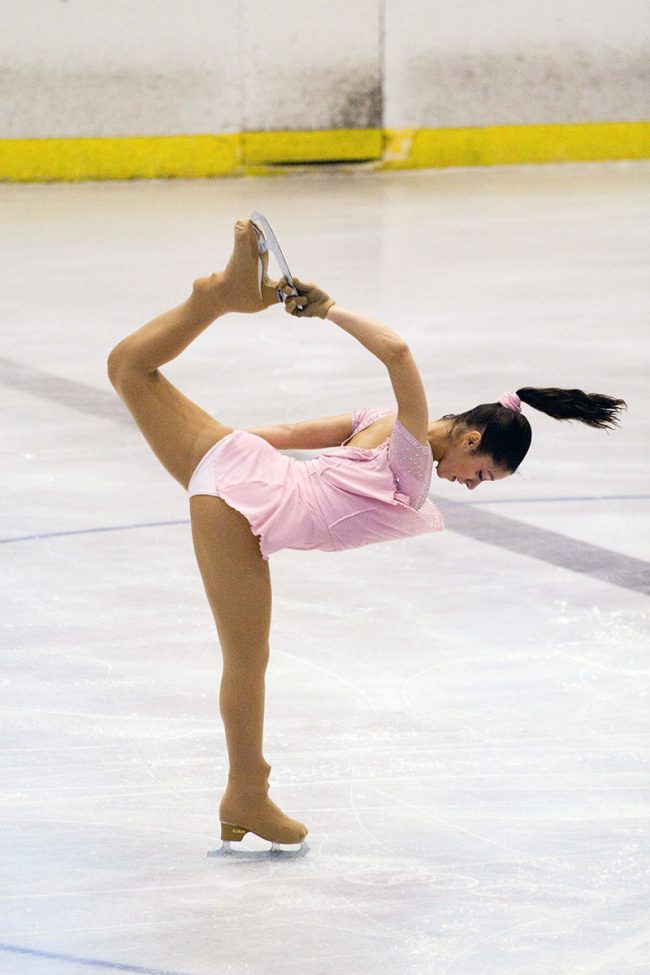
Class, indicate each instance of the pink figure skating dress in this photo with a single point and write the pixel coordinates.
(343, 498)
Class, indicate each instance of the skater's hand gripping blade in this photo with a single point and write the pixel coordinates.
(268, 242)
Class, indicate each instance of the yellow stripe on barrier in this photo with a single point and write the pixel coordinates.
(35, 160)
(503, 144)
(323, 145)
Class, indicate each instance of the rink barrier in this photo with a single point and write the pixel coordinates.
(510, 144)
(263, 153)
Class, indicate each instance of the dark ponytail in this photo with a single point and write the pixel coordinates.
(506, 434)
(594, 409)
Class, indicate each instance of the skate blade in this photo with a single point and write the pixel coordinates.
(269, 241)
(254, 847)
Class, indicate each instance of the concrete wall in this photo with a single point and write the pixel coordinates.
(153, 67)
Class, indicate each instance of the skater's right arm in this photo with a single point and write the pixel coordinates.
(385, 344)
(392, 350)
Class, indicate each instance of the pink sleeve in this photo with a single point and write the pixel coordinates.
(412, 464)
(363, 418)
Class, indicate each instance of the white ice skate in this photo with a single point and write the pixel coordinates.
(268, 243)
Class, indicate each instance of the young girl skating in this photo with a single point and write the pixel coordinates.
(247, 499)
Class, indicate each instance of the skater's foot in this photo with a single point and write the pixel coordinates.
(256, 813)
(239, 287)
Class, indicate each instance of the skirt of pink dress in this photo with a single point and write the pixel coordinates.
(344, 498)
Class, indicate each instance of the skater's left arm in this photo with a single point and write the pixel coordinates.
(327, 431)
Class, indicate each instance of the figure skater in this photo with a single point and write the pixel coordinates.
(248, 500)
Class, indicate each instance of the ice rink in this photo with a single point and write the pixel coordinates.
(461, 719)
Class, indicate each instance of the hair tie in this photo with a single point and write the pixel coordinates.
(511, 401)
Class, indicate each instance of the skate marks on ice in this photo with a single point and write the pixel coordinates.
(70, 393)
(80, 962)
(548, 546)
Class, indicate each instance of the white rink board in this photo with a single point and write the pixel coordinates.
(510, 62)
(311, 65)
(159, 68)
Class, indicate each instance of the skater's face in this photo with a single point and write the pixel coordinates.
(463, 463)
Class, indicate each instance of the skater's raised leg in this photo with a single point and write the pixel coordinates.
(177, 430)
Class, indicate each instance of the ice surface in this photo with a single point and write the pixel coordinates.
(460, 719)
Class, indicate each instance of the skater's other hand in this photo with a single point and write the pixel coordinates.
(310, 302)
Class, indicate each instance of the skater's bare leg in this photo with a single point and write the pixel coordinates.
(238, 587)
(235, 575)
(177, 430)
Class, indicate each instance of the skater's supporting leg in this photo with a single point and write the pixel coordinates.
(238, 587)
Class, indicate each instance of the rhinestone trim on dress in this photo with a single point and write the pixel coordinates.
(409, 455)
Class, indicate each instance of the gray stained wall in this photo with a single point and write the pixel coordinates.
(89, 68)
